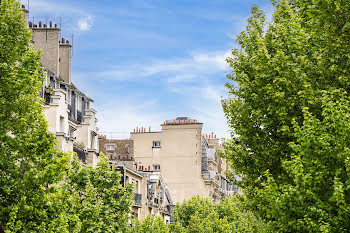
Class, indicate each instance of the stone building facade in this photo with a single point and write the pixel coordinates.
(117, 150)
(68, 112)
(187, 160)
(150, 194)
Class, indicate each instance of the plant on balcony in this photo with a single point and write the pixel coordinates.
(80, 145)
(48, 90)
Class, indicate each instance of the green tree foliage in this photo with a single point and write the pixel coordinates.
(198, 215)
(95, 199)
(289, 115)
(150, 225)
(29, 160)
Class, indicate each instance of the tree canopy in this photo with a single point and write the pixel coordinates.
(288, 113)
(200, 215)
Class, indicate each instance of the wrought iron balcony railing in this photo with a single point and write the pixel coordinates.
(137, 199)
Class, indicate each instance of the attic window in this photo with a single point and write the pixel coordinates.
(110, 147)
(156, 167)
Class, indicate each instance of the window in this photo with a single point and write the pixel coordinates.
(127, 148)
(61, 124)
(110, 147)
(156, 167)
(156, 144)
(137, 187)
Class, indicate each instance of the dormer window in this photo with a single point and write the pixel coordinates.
(156, 167)
(110, 147)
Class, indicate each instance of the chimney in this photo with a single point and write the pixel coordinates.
(46, 39)
(65, 53)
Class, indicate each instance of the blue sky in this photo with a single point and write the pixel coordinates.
(144, 61)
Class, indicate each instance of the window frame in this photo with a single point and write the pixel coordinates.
(154, 144)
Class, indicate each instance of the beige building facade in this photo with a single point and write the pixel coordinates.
(187, 160)
(150, 194)
(67, 110)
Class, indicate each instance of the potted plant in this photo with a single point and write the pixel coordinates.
(48, 90)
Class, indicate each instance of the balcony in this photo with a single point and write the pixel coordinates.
(137, 199)
(47, 98)
(71, 114)
(81, 154)
(79, 116)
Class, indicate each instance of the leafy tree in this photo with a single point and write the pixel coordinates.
(29, 160)
(201, 215)
(291, 85)
(95, 199)
(150, 224)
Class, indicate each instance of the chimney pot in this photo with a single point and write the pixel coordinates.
(50, 24)
(45, 26)
(63, 40)
(67, 41)
(30, 24)
(39, 24)
(55, 25)
(35, 25)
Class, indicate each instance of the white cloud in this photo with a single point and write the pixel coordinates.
(85, 23)
(177, 69)
(192, 78)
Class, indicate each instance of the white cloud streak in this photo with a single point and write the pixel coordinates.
(178, 69)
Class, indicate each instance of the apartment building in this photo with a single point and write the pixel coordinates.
(150, 194)
(187, 160)
(68, 112)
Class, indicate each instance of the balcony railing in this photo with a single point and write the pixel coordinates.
(71, 113)
(79, 116)
(137, 199)
(81, 154)
(47, 98)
